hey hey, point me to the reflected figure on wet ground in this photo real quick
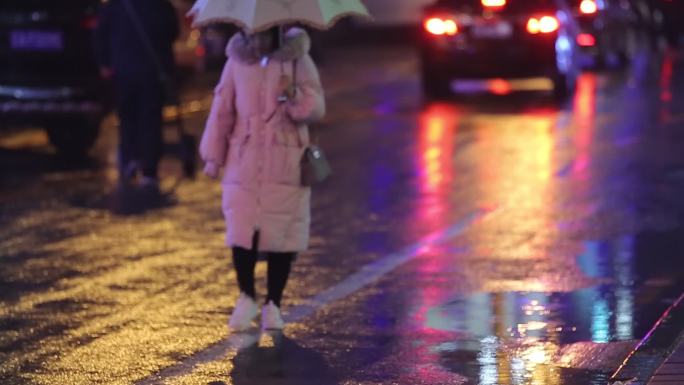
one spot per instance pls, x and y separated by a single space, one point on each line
127 201
277 359
257 132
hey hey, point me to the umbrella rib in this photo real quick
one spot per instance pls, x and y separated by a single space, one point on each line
323 16
327 15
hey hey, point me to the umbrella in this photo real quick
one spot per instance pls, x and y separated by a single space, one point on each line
259 15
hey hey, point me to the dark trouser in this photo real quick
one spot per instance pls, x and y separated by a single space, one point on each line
279 266
140 106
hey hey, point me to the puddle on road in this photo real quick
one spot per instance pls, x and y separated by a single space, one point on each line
533 338
554 338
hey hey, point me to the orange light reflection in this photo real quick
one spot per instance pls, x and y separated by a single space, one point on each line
585 114
435 153
437 130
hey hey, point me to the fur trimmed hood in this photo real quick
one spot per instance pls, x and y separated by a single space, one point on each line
296 45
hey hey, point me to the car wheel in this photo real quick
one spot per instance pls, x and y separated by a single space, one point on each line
562 86
603 57
73 137
435 85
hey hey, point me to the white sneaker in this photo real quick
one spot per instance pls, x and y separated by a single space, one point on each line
149 182
243 314
271 319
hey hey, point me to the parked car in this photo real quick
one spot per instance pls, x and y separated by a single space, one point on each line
48 74
498 39
212 45
673 19
608 33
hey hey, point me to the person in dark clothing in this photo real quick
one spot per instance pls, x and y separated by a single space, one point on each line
134 45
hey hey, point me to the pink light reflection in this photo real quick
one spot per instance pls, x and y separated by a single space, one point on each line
436 143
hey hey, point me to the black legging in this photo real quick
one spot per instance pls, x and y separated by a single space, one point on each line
279 266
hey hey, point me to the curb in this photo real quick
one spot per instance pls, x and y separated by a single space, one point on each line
672 371
654 349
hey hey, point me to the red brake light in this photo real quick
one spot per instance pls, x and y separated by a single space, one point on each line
89 22
200 51
543 24
499 87
586 40
494 3
588 7
437 26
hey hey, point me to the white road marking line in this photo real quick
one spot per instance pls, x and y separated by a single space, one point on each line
355 282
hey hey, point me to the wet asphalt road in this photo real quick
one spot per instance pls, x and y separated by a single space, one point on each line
487 239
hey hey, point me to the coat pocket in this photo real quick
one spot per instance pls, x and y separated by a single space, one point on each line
284 160
237 167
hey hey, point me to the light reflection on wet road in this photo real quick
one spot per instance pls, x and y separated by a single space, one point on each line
575 255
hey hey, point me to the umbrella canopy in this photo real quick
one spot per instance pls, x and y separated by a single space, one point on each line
259 15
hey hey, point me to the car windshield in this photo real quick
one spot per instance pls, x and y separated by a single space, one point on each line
45 4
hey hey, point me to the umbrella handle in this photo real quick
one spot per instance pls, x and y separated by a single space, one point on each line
281 36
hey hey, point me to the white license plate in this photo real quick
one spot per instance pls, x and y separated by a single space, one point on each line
27 40
498 30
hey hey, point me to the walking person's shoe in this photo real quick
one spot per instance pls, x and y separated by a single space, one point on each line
150 183
128 174
271 319
243 314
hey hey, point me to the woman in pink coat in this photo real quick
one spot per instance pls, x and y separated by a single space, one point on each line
257 132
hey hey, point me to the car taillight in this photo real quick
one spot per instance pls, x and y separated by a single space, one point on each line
588 7
89 22
543 24
493 3
586 40
437 26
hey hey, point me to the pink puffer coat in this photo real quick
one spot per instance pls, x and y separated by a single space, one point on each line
260 143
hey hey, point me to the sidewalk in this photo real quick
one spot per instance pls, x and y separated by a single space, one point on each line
672 371
659 358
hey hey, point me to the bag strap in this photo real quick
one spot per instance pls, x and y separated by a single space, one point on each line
313 140
145 38
314 129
